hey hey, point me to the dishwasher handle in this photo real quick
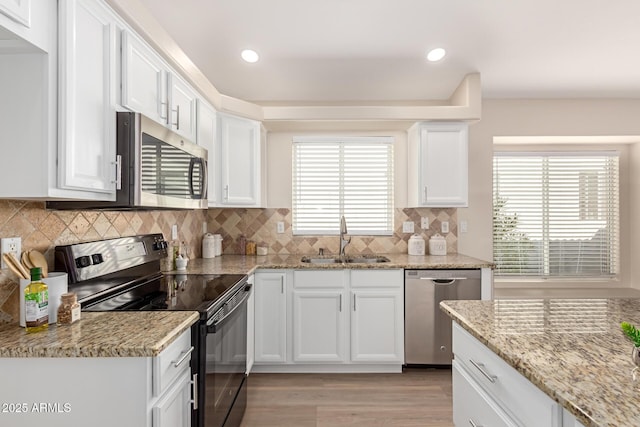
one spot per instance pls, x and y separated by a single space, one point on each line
442 281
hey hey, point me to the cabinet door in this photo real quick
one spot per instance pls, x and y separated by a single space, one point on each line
207 125
182 110
270 317
444 165
251 306
87 79
377 325
318 326
143 79
173 409
240 161
472 406
18 10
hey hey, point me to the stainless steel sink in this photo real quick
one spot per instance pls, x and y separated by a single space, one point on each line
366 259
335 259
319 259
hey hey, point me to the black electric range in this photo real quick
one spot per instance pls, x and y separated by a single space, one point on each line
124 275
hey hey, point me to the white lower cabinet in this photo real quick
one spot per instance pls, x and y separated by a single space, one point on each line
251 331
472 406
487 391
270 317
318 326
100 391
337 320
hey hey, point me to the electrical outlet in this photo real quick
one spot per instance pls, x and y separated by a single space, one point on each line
424 223
204 227
174 232
11 245
280 227
463 226
407 227
445 226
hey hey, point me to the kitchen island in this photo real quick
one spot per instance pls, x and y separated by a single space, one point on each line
571 349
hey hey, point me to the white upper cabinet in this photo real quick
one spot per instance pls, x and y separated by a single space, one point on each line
144 82
182 101
17 10
438 165
87 91
150 87
240 161
207 122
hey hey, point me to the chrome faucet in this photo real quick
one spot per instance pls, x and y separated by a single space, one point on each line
343 230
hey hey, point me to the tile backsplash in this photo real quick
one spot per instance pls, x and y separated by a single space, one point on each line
44 229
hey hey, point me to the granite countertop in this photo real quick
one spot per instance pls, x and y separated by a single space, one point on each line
240 264
106 334
572 349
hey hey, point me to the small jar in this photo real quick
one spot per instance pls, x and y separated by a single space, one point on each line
69 310
251 247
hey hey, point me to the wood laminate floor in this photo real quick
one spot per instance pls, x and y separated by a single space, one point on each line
417 397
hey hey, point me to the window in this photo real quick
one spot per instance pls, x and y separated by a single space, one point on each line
343 176
555 214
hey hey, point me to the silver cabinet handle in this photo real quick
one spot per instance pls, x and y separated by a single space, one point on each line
355 297
226 192
177 123
194 391
282 285
183 358
424 194
473 424
340 302
164 106
118 165
480 367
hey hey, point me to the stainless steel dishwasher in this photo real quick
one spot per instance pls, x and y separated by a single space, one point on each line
427 330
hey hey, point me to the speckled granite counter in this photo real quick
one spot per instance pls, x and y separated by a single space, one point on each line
238 264
572 349
110 334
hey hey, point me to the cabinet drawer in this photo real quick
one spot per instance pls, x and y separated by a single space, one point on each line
171 362
318 279
519 397
369 278
472 406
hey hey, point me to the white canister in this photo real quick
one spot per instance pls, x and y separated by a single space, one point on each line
218 244
416 245
437 245
58 284
208 246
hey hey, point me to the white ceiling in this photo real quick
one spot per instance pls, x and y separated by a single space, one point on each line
374 50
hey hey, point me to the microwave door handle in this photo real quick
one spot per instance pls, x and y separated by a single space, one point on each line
203 177
191 170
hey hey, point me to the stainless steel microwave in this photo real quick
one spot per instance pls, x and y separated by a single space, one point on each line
156 168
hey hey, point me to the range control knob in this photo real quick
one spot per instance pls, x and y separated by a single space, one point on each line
97 259
83 261
159 245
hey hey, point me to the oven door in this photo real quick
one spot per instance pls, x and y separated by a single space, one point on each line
225 363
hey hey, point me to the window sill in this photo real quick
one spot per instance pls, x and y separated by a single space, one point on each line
564 292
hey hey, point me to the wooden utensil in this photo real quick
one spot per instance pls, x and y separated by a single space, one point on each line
15 266
38 260
26 262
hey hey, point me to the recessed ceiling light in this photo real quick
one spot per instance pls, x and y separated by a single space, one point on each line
250 55
436 54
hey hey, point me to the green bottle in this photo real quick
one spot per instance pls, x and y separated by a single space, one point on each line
36 303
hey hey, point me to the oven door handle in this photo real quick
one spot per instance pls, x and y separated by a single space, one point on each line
213 325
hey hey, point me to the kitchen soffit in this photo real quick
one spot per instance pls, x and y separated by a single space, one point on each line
374 50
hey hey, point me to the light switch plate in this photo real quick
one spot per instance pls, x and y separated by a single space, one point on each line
463 226
445 226
174 232
11 245
407 227
280 227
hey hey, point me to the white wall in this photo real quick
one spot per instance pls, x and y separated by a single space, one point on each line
551 118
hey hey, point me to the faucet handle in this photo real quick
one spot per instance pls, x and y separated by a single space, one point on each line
321 251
